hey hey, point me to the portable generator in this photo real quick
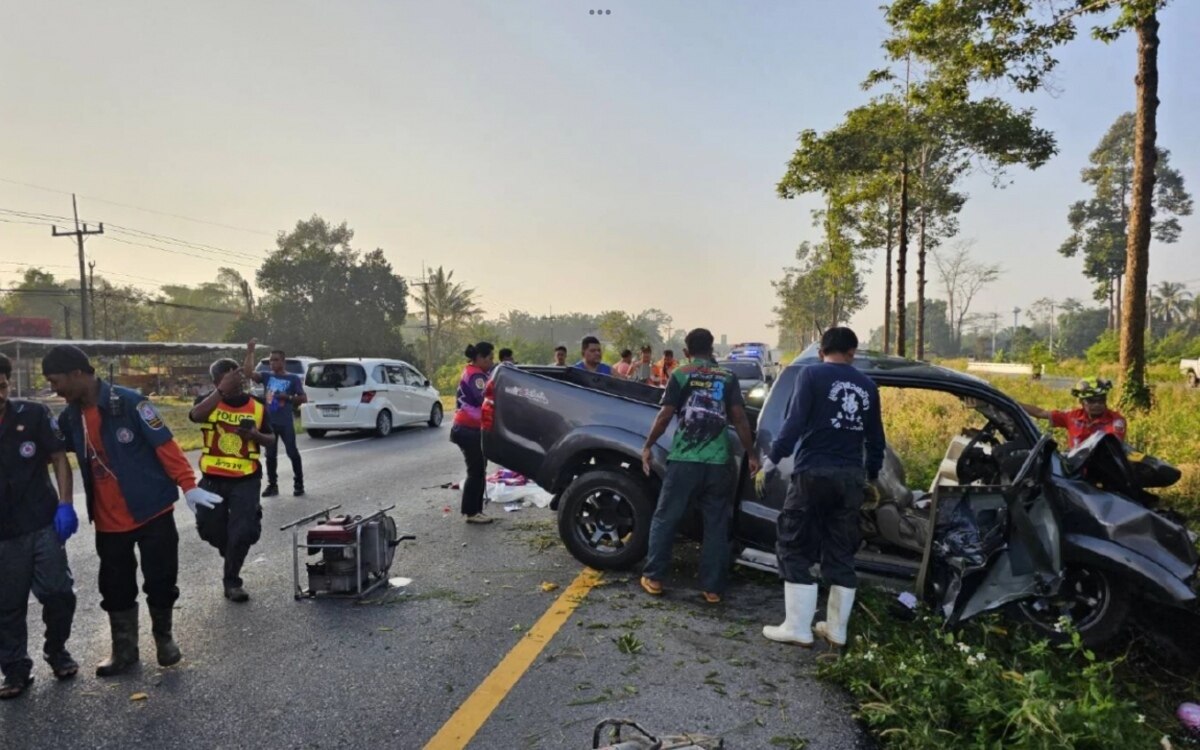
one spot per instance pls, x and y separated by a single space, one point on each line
643 740
355 552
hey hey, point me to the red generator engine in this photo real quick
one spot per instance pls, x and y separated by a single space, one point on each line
356 552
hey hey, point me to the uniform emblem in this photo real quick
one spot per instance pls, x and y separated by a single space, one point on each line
230 443
480 383
150 415
28 449
124 435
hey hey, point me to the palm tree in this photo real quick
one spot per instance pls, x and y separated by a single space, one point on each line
1170 302
450 305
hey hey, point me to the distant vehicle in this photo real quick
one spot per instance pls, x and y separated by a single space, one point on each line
294 365
752 379
1190 368
367 394
760 351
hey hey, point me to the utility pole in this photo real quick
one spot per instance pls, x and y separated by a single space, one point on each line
67 319
995 317
1052 321
1016 312
424 284
92 294
552 341
79 234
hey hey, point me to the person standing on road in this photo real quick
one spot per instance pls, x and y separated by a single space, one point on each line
1092 416
834 423
707 398
467 432
282 392
560 356
592 355
132 471
35 523
234 425
661 372
643 369
624 368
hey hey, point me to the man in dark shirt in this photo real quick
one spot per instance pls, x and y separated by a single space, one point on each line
35 523
707 399
234 424
834 415
592 353
283 391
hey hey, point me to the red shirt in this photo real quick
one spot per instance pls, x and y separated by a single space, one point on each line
1080 426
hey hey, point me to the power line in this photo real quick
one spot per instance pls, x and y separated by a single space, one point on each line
177 251
142 208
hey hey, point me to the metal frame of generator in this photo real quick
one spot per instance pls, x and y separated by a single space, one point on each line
356 552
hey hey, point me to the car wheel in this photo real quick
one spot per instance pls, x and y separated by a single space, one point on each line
383 423
435 416
604 519
315 434
1094 600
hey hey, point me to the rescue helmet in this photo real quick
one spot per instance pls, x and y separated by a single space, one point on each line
1092 388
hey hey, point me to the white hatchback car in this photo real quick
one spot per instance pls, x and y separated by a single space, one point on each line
367 394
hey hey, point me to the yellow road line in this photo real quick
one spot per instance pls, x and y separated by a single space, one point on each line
460 728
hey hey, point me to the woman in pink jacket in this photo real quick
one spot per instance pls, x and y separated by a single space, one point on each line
467 430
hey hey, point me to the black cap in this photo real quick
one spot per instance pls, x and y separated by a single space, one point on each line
66 358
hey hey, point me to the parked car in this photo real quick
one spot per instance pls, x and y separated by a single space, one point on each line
294 365
1190 368
367 394
1006 522
759 351
754 382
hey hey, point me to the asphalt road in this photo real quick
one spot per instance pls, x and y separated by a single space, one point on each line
281 673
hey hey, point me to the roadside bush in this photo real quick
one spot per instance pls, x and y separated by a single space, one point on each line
986 686
1106 350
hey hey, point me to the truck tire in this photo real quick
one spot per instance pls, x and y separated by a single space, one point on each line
604 519
1096 600
315 434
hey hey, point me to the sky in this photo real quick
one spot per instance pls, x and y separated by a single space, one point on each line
557 160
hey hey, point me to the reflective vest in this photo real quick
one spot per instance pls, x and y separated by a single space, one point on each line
226 453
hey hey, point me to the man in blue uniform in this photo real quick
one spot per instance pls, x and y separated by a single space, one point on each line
35 523
834 424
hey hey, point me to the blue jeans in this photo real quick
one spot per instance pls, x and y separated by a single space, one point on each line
820 523
711 487
33 562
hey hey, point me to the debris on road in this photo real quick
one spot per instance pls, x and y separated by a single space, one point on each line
139 697
548 586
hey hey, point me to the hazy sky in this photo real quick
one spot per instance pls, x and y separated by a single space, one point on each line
552 158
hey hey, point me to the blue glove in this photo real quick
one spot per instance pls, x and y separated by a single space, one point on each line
66 522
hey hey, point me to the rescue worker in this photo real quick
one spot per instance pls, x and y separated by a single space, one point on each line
1092 416
707 399
282 392
35 523
467 432
834 424
661 373
234 425
132 472
592 354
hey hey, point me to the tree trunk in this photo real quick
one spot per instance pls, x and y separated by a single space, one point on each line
920 333
887 284
1117 306
1137 252
902 261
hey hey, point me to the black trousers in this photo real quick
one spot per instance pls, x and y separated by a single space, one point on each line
286 432
234 525
820 523
468 441
157 542
34 562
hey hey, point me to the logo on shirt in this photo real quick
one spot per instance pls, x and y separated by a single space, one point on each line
480 383
150 415
230 443
853 401
28 449
124 435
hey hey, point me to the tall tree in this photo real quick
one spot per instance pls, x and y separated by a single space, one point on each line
962 279
1100 224
819 292
451 306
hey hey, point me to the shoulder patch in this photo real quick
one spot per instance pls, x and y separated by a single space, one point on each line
28 449
150 415
480 383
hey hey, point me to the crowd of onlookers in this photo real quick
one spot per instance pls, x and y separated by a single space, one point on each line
643 370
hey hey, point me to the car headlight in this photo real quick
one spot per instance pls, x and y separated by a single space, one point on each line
758 391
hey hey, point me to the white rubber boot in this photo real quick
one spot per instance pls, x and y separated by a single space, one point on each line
799 603
837 616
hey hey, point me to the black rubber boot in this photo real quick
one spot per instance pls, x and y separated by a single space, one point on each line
298 488
168 651
124 626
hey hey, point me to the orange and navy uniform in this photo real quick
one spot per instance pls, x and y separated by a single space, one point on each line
1080 426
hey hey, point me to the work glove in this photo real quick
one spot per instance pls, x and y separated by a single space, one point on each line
203 498
766 473
66 522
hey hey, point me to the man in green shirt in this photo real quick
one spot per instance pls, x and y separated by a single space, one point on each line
700 465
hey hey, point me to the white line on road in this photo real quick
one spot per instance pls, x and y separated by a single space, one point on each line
335 445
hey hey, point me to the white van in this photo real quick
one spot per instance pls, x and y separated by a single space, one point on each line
367 394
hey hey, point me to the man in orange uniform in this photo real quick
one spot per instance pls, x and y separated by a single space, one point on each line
663 369
132 472
234 424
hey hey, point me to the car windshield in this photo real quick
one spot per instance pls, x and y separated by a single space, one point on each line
744 370
335 375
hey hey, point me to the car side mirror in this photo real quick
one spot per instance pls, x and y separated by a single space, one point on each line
426 383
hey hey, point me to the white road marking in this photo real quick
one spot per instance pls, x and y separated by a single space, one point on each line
335 445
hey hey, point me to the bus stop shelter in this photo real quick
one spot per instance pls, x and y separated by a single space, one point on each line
27 353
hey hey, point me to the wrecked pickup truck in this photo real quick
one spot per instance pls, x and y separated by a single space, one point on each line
1006 521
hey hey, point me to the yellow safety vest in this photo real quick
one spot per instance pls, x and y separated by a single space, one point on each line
225 452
